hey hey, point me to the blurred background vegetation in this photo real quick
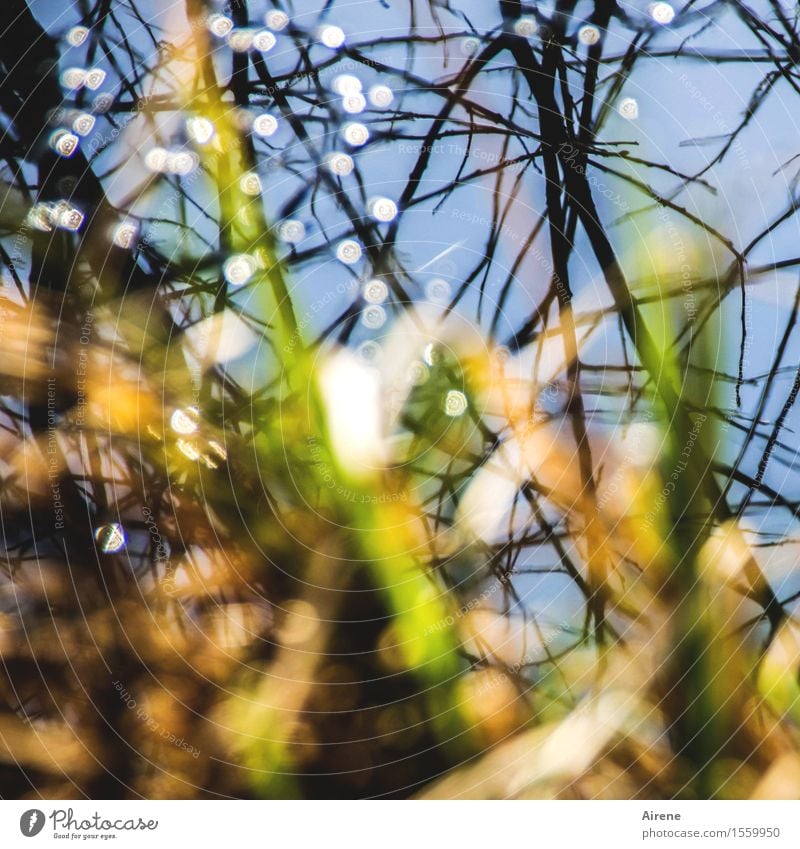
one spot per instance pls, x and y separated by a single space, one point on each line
397 399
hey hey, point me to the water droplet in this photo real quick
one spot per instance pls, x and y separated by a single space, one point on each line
382 209
264 41
455 403
182 162
94 78
67 217
84 124
200 130
588 35
375 291
432 354
188 449
238 269
218 449
417 373
265 125
240 40
242 119
346 84
185 421
210 462
102 103
77 35
354 103
250 183
219 25
629 108
355 134
501 354
276 20
292 231
470 45
110 538
64 143
40 217
370 351
348 251
156 159
339 163
125 235
373 317
438 291
380 96
58 116
662 13
526 26
332 36
73 78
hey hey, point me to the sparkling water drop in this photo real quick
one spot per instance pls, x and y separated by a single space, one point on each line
501 354
629 108
188 449
73 78
265 125
110 538
64 143
219 25
455 403
94 78
243 119
102 103
57 116
373 317
354 103
332 36
432 354
438 291
346 84
339 163
380 96
182 162
156 159
588 35
240 40
276 20
250 183
470 45
662 13
67 217
526 26
348 251
77 35
238 269
417 373
218 449
125 234
40 217
355 134
382 209
370 351
292 231
264 41
185 421
200 130
375 291
84 123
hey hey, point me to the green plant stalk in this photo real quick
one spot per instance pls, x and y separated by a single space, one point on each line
429 646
